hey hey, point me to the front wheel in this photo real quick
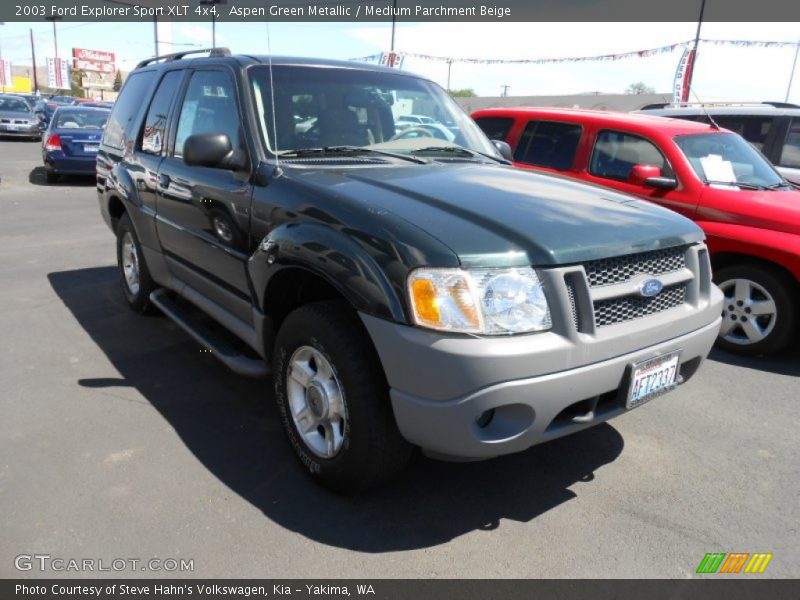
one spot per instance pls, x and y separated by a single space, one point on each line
760 312
333 399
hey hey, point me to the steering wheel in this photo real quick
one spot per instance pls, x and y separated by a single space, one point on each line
403 134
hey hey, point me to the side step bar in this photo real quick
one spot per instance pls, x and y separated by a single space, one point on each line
234 360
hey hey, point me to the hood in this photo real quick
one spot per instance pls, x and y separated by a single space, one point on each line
777 210
493 216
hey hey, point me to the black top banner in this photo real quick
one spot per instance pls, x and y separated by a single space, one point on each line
400 10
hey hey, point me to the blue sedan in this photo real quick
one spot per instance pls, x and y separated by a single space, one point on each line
71 141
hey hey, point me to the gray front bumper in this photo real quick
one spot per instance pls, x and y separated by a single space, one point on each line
537 384
27 132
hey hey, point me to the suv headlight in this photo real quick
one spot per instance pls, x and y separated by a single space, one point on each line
483 301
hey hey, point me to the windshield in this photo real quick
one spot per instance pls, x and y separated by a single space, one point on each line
84 119
13 105
727 159
327 107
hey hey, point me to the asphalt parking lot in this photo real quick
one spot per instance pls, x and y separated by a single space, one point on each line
121 439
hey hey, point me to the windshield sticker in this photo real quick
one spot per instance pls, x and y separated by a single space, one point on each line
717 169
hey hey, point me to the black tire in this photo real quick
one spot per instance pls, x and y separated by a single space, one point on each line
372 449
50 177
781 326
137 299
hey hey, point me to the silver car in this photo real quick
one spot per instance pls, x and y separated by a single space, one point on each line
17 118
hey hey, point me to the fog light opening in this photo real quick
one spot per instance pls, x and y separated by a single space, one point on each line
485 418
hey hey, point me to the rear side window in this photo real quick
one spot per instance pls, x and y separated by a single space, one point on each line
548 144
615 153
155 123
130 101
790 155
495 128
754 129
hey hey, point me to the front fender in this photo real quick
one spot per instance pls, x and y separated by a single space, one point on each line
338 259
774 246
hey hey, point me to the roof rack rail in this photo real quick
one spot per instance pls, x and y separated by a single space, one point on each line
717 104
179 55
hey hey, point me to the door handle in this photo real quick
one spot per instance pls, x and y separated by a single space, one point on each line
163 181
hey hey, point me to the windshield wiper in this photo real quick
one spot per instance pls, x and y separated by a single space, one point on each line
742 184
780 184
462 151
300 152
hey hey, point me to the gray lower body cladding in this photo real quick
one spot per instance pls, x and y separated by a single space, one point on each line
530 388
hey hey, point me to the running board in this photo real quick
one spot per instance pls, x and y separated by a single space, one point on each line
233 359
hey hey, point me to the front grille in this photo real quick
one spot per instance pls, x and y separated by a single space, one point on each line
627 308
572 301
618 269
15 121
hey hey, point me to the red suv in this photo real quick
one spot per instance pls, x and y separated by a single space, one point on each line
749 212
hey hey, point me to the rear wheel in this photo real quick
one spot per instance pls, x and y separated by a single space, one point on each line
333 399
134 276
50 176
759 315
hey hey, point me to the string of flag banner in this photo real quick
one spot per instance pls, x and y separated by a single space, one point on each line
395 59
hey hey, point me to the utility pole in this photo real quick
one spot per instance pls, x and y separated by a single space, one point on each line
33 60
505 90
394 20
155 33
55 34
690 70
449 64
212 4
791 75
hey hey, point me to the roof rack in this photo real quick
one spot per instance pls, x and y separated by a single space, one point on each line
718 104
180 55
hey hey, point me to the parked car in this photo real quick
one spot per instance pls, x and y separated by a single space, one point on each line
750 213
71 141
96 104
772 127
17 118
61 99
405 292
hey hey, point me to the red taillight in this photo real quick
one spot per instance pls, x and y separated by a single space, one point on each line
53 142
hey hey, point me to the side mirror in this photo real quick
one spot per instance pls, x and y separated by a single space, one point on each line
212 150
641 173
661 183
650 176
504 149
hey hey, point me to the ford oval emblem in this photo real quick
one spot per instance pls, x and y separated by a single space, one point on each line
650 288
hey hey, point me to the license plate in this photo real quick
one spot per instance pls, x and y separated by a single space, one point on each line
91 147
653 377
12 127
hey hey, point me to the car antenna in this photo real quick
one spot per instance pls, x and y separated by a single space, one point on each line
711 121
277 172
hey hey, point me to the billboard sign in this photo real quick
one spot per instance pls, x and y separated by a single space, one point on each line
94 66
94 55
58 74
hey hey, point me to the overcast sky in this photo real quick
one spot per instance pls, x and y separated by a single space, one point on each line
721 73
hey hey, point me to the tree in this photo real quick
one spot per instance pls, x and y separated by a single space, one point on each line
118 81
463 93
77 83
639 88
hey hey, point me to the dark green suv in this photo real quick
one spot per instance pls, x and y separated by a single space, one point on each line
403 285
